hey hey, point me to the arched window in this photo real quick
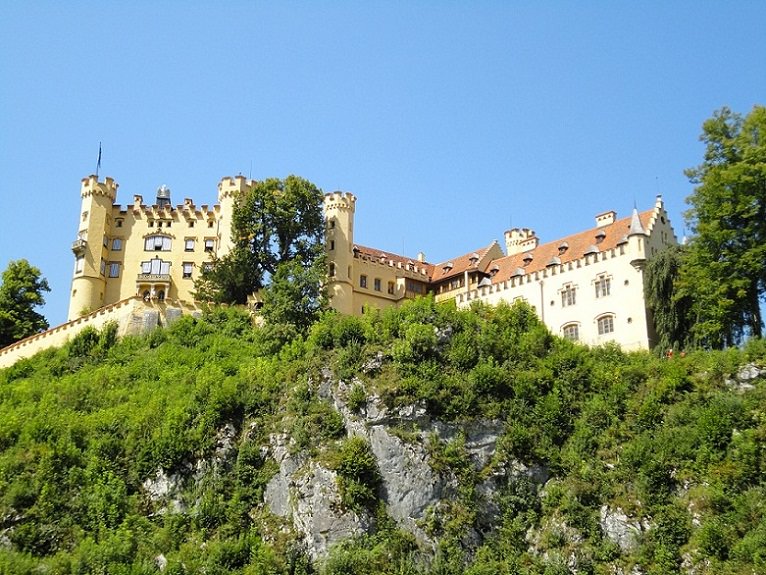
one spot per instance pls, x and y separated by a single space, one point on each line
605 324
571 331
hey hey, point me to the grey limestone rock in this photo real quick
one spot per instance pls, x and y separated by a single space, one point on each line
744 379
164 487
318 515
409 484
619 528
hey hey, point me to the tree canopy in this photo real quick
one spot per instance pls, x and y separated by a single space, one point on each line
20 293
670 309
278 231
723 272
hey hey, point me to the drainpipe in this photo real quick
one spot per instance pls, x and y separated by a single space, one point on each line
542 302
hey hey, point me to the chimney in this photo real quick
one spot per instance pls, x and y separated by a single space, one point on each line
421 257
605 219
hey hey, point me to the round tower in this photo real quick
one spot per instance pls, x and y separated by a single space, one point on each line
89 279
339 243
229 191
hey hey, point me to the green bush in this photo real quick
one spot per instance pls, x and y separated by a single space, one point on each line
358 475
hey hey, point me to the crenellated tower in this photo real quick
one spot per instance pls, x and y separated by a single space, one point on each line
339 243
90 248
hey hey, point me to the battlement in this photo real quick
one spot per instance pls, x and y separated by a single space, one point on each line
233 187
340 201
519 240
91 186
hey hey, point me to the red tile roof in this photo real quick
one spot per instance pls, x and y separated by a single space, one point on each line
577 245
386 257
457 266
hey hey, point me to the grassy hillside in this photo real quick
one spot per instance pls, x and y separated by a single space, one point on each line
89 432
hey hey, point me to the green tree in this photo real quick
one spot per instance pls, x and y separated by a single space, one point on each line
724 272
670 309
276 221
295 295
20 293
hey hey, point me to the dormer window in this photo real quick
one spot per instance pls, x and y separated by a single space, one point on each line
554 261
591 250
447 267
528 257
600 235
473 258
494 269
563 247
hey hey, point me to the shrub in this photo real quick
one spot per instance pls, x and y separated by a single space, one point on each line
358 475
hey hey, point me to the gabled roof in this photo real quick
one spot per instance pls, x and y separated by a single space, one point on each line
482 258
576 246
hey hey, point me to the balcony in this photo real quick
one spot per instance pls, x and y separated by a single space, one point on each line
79 246
154 278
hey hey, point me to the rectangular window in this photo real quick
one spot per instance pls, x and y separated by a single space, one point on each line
391 288
605 325
189 244
188 269
332 245
376 284
78 264
209 245
155 267
414 287
114 270
103 267
210 224
191 223
116 244
568 296
157 244
603 286
331 271
363 281
118 223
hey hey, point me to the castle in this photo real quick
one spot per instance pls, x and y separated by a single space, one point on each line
586 287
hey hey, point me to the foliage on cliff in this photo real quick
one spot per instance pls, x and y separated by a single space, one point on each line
146 455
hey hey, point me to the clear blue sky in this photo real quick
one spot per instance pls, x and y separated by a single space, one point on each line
448 120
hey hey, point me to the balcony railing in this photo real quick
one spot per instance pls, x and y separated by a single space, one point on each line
154 278
78 246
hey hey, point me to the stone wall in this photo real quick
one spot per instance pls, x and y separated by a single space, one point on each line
133 315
